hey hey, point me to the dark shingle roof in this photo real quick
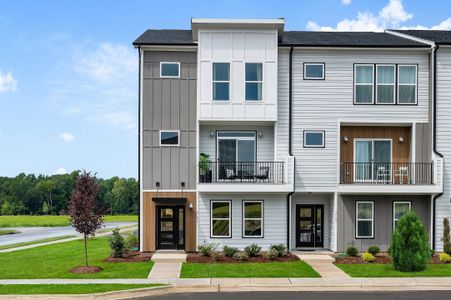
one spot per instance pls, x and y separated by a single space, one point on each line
345 39
165 37
437 36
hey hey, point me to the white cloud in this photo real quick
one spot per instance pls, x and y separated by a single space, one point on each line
7 82
444 25
67 137
345 2
60 171
393 13
100 85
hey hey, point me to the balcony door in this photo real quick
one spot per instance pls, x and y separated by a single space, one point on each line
373 160
236 152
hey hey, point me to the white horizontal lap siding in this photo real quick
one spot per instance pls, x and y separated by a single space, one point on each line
274 228
265 143
443 209
283 104
321 104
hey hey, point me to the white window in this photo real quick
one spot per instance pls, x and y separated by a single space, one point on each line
314 71
363 84
170 69
364 224
254 81
314 139
407 84
169 138
220 215
399 209
252 218
385 84
221 81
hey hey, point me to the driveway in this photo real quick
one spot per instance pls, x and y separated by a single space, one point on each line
29 234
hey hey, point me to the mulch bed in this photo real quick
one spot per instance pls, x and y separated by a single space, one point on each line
199 258
86 270
135 256
381 258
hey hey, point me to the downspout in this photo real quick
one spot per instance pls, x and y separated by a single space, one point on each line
434 133
139 146
290 143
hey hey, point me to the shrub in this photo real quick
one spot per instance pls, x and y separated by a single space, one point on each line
215 255
368 257
252 250
131 241
240 256
444 257
272 254
352 251
116 242
374 250
206 249
446 237
409 247
229 251
279 249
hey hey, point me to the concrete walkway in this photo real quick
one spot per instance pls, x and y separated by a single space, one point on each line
167 265
323 264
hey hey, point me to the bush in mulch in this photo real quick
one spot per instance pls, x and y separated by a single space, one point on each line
86 270
263 258
381 258
135 256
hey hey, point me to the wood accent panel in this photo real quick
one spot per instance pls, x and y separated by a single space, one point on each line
149 219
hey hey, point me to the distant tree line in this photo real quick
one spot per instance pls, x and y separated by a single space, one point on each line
49 195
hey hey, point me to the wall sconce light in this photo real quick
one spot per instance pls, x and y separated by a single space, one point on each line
260 133
190 205
182 184
157 184
401 139
345 139
212 133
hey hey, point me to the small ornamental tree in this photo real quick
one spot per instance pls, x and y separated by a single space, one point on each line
409 246
85 215
446 237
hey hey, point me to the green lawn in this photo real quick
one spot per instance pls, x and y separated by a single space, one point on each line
52 221
8 231
237 270
386 270
35 242
55 261
28 289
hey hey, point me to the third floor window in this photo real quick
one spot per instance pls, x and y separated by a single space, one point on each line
221 81
254 81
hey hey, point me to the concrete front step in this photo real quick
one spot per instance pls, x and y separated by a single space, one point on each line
316 258
169 257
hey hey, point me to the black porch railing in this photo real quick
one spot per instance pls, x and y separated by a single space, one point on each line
242 172
386 173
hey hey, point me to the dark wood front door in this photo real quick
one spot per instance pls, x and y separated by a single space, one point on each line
170 227
309 226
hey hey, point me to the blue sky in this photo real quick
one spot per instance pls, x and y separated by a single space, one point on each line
68 72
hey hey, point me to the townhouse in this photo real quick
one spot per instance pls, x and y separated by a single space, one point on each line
317 140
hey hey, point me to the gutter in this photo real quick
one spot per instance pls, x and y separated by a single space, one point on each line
290 142
139 145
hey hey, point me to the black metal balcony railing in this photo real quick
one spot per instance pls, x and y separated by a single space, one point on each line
386 173
242 172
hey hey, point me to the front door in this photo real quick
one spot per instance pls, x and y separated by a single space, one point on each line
170 227
309 226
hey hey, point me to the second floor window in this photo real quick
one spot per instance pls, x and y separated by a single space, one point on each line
407 84
169 69
385 84
221 81
363 90
254 81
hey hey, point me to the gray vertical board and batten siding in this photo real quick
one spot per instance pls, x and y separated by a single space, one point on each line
169 104
383 219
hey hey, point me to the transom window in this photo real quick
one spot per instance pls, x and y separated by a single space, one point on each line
221 81
252 218
364 219
385 84
254 81
170 69
314 139
169 138
314 71
399 209
220 212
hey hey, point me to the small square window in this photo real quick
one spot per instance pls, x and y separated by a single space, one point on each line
169 138
314 71
170 69
314 139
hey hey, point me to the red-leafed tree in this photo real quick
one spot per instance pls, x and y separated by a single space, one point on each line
85 214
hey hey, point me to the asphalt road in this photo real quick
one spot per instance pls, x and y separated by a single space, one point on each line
435 295
28 234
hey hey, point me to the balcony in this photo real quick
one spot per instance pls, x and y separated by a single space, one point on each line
246 176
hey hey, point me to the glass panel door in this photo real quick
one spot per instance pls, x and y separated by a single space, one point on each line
363 158
227 159
309 228
382 161
170 227
246 158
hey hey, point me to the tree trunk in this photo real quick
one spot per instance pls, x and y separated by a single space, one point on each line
86 250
